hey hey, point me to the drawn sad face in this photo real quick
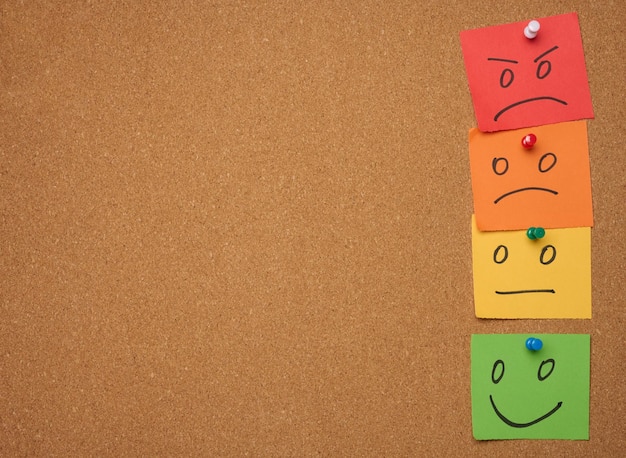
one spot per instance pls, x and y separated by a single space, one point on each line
515 277
516 82
548 185
517 393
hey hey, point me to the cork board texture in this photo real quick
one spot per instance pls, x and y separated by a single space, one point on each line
243 228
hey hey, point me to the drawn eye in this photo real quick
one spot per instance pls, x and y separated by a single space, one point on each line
500 165
497 372
547 363
548 254
546 162
500 254
506 78
543 69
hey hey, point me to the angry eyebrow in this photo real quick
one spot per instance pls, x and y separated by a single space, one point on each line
554 48
503 60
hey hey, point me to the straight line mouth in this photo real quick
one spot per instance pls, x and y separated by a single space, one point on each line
524 291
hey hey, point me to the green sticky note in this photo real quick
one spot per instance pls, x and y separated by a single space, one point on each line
522 394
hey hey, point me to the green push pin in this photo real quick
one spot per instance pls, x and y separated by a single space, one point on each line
535 233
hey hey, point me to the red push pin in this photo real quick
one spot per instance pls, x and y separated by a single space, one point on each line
529 141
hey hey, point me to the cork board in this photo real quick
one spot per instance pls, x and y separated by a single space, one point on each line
239 228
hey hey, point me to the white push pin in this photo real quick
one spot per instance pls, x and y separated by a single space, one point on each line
531 29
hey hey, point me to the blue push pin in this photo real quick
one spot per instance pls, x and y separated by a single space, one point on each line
534 233
534 344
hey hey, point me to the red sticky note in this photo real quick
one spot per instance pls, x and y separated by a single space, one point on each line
546 186
519 82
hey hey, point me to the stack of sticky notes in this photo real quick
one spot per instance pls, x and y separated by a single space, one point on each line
531 228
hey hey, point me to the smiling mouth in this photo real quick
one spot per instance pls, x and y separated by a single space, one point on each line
523 425
521 102
530 188
524 291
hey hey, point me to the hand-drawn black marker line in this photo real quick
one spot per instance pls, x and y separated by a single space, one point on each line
523 425
530 188
524 291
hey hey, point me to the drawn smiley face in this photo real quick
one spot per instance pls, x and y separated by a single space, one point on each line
547 185
517 393
497 373
516 82
515 277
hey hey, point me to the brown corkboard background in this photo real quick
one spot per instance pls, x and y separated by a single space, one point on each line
243 228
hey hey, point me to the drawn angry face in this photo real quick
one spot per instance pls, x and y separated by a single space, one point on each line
507 78
516 82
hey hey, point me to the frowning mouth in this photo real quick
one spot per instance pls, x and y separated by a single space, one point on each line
521 102
531 188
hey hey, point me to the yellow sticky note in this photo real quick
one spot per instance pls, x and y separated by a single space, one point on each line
516 277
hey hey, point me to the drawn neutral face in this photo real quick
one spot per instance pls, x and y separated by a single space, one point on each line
516 82
515 277
517 393
547 185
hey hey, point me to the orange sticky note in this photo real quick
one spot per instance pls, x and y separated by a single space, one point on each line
516 277
548 185
519 82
